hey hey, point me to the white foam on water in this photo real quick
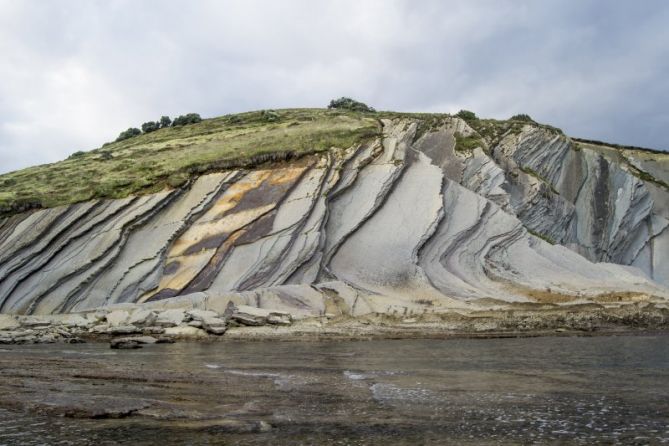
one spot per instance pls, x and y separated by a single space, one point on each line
78 352
389 392
355 376
246 373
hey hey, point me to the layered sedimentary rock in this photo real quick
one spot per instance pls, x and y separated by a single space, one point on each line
402 221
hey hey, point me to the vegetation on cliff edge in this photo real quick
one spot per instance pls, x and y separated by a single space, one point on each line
170 156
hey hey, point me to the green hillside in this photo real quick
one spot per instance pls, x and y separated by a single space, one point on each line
170 156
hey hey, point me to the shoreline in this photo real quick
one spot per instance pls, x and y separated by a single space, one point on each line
135 328
329 336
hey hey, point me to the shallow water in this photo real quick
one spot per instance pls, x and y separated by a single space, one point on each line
551 390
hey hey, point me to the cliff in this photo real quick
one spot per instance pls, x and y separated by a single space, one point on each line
426 214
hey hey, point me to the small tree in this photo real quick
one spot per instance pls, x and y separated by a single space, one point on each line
130 133
467 115
269 115
77 154
150 126
165 121
190 118
522 117
345 103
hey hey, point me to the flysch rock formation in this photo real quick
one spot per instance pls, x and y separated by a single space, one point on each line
402 222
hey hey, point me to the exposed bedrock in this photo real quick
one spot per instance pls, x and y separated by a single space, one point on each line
405 221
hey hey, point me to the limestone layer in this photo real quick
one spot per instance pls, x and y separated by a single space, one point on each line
402 222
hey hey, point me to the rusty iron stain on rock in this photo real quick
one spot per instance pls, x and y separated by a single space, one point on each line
269 191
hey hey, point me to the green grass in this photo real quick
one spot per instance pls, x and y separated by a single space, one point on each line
466 143
169 157
542 237
536 175
172 156
645 176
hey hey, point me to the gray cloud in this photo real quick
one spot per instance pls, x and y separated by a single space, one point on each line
75 73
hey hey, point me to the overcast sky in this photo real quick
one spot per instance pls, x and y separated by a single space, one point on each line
73 74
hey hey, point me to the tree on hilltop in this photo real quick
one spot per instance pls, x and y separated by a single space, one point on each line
345 103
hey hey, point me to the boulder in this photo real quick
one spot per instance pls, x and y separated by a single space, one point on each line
254 316
142 317
116 318
48 338
97 316
249 320
125 343
200 315
25 337
61 332
170 318
99 329
76 321
8 322
7 337
34 321
124 329
185 331
153 330
132 340
214 325
279 319
165 340
247 315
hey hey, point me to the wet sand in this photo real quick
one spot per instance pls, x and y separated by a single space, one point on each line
548 390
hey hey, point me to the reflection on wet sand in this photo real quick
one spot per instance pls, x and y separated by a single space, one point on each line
467 391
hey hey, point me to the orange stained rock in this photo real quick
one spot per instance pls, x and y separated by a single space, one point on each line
242 203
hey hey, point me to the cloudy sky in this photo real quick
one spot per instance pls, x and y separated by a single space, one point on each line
73 74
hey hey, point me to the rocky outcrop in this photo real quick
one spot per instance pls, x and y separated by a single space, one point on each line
402 223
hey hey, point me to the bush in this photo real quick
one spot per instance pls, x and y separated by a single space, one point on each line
77 154
235 119
190 118
150 126
350 104
464 143
467 115
522 117
269 115
165 121
130 133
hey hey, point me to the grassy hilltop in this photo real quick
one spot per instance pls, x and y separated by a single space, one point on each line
170 156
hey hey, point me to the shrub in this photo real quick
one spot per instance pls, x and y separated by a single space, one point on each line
235 119
165 121
467 115
350 104
177 180
130 133
77 154
150 126
522 117
470 142
269 115
190 118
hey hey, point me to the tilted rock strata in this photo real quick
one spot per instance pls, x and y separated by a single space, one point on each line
396 223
